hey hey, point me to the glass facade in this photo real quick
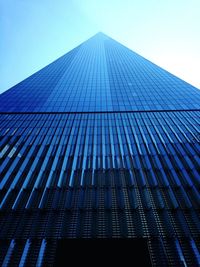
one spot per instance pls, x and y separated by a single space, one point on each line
101 143
100 75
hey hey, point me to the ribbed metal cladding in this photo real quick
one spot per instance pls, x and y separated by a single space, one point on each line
96 175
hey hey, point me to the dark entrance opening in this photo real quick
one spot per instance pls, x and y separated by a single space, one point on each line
135 251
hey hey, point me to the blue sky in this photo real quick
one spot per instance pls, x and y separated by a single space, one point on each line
33 33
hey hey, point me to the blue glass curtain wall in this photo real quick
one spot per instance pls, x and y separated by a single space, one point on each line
100 144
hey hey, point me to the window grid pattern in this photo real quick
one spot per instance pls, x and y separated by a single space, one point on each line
100 75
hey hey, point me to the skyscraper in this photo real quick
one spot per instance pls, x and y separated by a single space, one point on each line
101 143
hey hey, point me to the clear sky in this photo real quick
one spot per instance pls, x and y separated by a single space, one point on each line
33 33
